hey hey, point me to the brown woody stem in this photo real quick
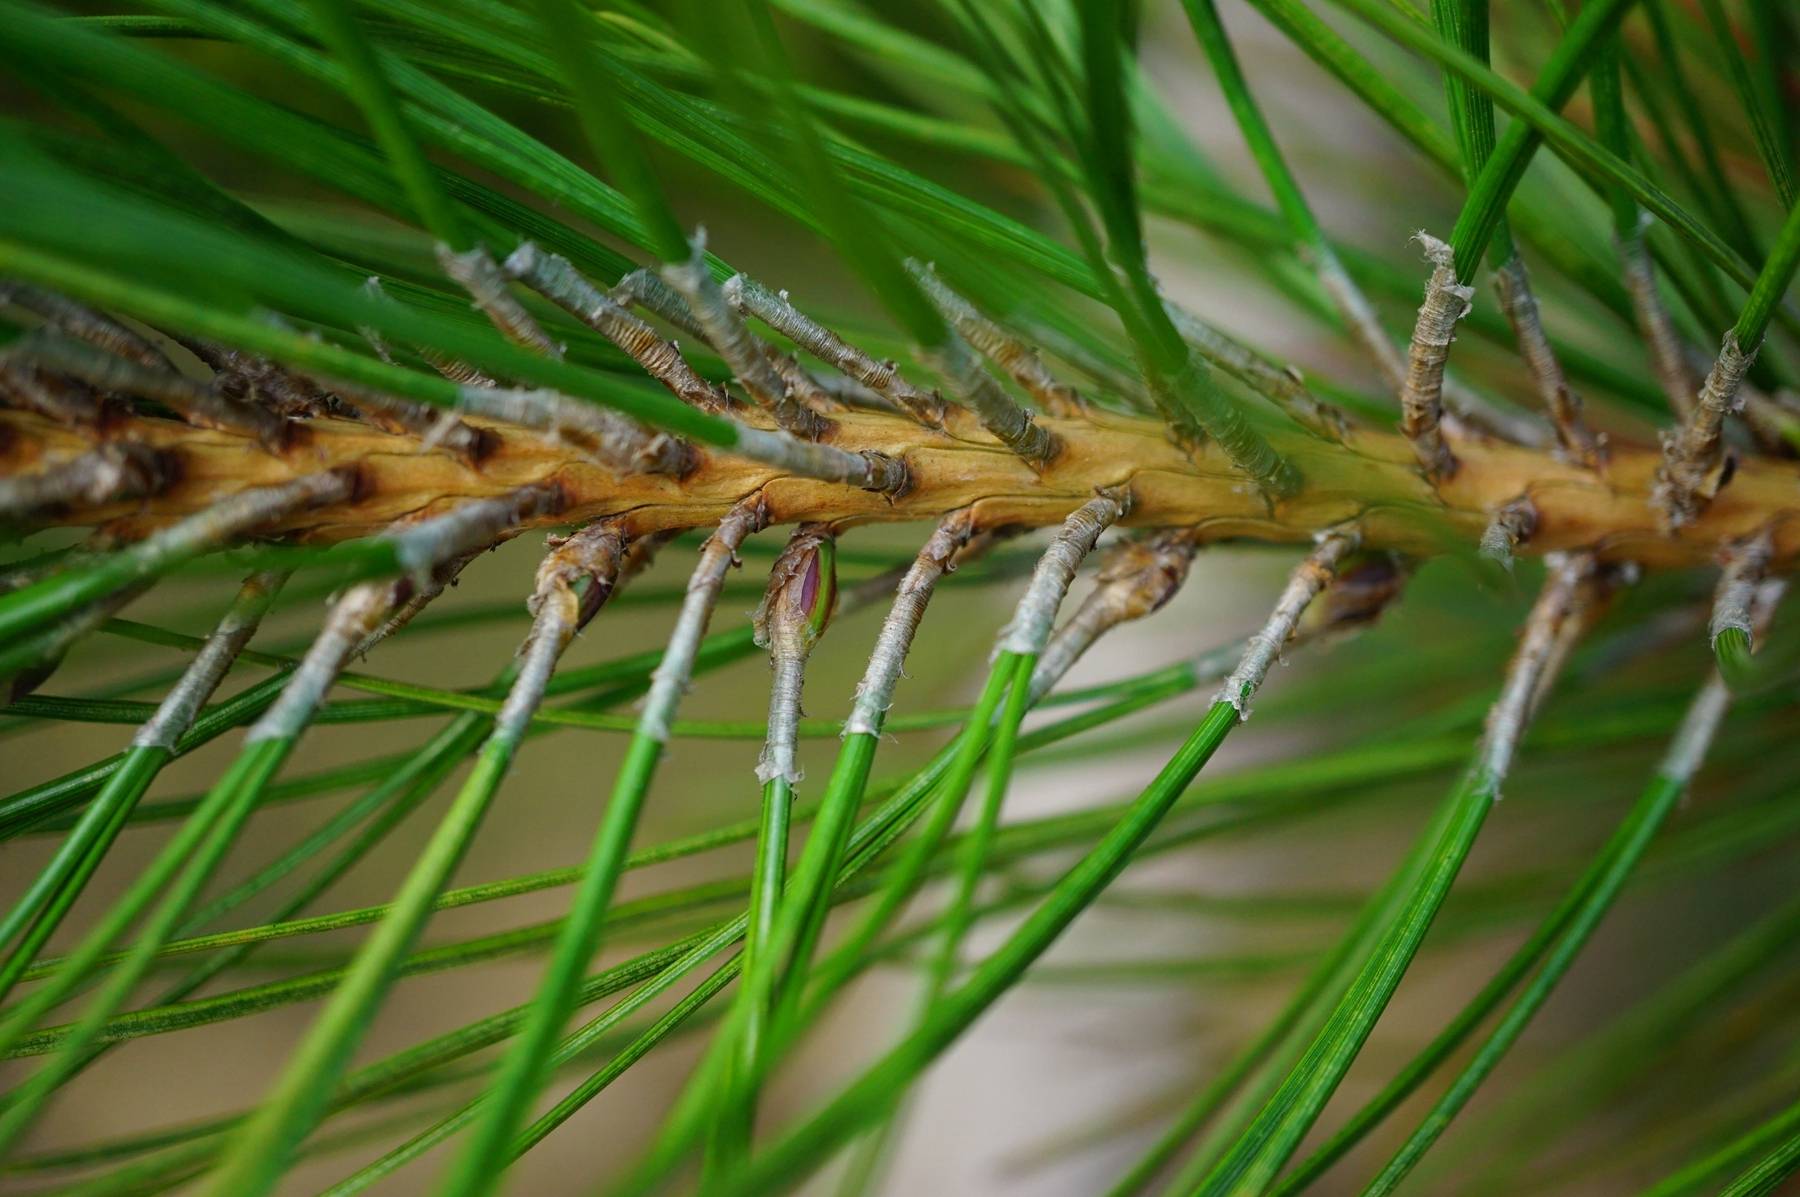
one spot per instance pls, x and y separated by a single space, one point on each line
1372 478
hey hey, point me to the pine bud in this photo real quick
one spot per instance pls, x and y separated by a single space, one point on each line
802 592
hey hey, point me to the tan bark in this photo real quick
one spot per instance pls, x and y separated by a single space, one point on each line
1373 477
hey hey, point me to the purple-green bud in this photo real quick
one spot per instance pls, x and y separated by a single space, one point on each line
802 592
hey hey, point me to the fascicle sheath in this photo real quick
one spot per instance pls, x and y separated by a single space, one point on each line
864 469
727 334
972 386
1135 580
556 278
1528 674
574 580
419 548
618 442
996 344
197 403
1519 303
175 714
1695 464
796 607
875 692
79 320
1687 749
475 270
1668 356
1285 388
1511 527
883 377
1310 577
352 620
1422 396
1032 619
670 679
239 513
1742 569
109 474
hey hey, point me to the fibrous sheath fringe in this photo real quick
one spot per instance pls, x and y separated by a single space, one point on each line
1743 567
1309 578
1519 303
1525 675
875 692
1134 581
1422 396
1029 630
883 377
175 714
556 278
1695 464
671 676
